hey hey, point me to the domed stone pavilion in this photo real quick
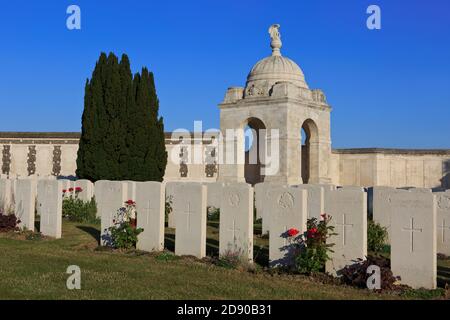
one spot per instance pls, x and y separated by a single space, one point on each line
276 97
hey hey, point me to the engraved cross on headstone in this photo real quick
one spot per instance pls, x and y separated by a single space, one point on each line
443 227
149 208
344 225
233 230
411 233
188 214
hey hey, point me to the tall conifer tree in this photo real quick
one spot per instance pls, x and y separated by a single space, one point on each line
122 135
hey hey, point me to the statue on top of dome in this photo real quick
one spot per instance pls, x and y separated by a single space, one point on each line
274 33
275 39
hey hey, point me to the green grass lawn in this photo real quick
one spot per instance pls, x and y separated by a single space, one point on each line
35 269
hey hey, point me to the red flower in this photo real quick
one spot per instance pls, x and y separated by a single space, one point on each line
292 232
78 189
70 189
130 202
312 233
64 191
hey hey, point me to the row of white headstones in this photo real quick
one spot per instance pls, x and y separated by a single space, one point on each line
418 221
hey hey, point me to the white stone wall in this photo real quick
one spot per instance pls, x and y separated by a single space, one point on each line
410 169
358 167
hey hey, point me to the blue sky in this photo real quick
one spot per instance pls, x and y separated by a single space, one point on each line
388 87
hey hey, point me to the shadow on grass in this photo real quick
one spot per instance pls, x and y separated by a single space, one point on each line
94 232
260 253
257 229
169 242
443 276
213 224
212 245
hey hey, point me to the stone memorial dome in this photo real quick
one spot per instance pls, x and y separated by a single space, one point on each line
275 68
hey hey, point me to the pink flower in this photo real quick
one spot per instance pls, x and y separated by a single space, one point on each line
78 189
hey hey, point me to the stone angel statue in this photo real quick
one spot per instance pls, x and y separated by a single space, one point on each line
275 38
274 33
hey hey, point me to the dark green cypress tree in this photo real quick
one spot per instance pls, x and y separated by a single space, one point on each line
148 156
122 135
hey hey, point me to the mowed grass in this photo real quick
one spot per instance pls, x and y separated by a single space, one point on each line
36 269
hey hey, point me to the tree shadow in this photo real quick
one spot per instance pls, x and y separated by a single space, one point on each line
445 180
257 229
212 247
94 232
213 224
169 242
289 252
261 255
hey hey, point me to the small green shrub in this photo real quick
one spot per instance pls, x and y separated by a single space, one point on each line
229 260
166 256
32 235
75 209
124 234
79 211
312 250
376 237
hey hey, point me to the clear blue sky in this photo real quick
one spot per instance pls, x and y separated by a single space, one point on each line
388 88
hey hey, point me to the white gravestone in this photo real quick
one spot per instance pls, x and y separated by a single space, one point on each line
87 188
287 208
316 200
352 188
262 195
131 186
25 199
49 192
5 195
327 187
236 221
413 238
348 211
443 222
214 194
110 197
150 215
189 207
413 189
382 208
